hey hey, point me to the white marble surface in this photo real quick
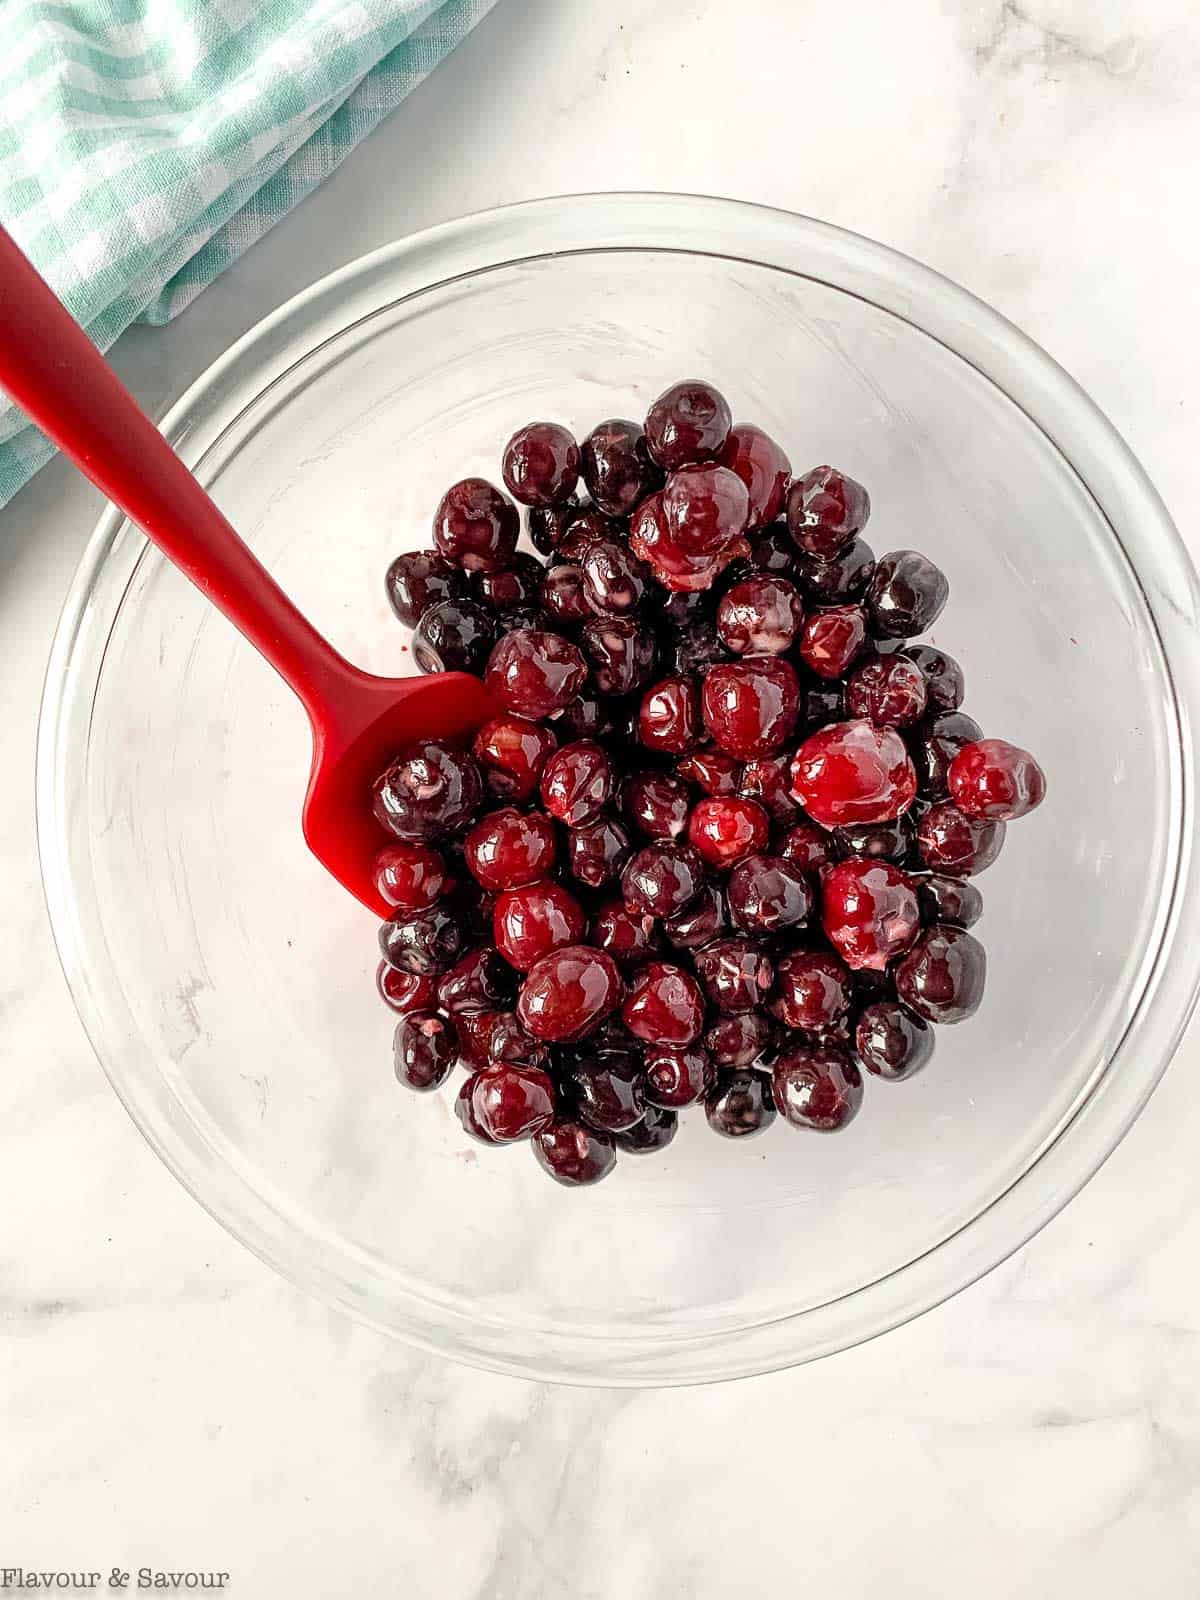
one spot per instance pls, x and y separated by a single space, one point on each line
166 1401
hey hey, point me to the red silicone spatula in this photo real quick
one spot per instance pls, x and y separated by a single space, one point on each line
56 375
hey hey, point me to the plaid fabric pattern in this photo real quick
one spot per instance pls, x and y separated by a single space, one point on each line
145 144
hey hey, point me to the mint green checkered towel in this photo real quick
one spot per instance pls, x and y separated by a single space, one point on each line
145 144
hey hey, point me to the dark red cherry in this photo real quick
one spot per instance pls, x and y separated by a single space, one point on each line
890 1042
812 990
722 831
511 753
623 934
677 1076
405 991
419 579
739 1105
541 464
597 850
760 616
454 636
411 875
564 595
825 511
689 422
480 981
705 508
715 771
942 976
745 1040
476 527
574 1154
769 893
577 782
808 847
426 942
701 920
895 840
511 1103
424 1049
511 1045
833 639
653 1133
606 1091
889 691
943 676
510 589
906 595
736 973
657 804
817 1087
616 469
614 580
669 718
945 899
620 653
662 879
772 550
845 577
652 541
955 844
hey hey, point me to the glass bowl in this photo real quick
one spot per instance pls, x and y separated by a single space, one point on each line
227 983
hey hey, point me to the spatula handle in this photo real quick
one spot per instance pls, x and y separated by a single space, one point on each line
57 376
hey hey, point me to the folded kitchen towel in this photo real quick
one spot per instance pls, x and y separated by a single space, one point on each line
145 144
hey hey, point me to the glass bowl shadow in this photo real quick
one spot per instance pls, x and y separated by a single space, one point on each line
227 983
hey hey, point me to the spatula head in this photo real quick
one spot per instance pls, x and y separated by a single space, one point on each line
375 719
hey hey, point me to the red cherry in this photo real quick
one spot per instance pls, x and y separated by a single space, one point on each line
411 875
705 508
511 848
568 993
852 772
870 912
405 991
664 1006
832 639
535 674
532 921
510 1103
669 718
750 707
722 831
511 752
995 781
763 468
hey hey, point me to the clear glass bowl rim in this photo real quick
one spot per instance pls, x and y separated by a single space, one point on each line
1048 396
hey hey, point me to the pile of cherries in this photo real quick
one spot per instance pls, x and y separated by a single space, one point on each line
715 846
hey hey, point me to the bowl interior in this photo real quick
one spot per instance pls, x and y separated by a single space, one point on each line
236 979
